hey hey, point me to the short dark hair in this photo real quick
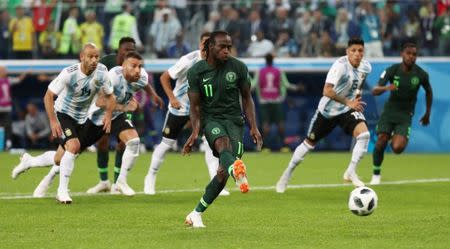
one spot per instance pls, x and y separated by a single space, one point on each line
212 40
133 54
355 41
205 34
269 59
125 40
408 44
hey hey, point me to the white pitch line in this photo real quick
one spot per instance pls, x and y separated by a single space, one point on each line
10 196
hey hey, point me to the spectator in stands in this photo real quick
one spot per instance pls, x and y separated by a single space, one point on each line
370 30
260 47
411 28
345 29
285 46
91 30
320 24
213 19
180 7
18 133
442 6
282 22
256 24
272 5
5 103
145 18
49 41
124 25
41 12
327 46
5 35
271 85
112 9
443 27
178 47
23 35
37 127
428 38
163 32
70 36
302 26
312 47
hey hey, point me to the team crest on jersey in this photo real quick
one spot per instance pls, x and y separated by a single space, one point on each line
363 75
312 136
167 130
231 77
68 132
415 81
215 131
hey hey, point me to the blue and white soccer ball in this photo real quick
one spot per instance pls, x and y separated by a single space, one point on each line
363 201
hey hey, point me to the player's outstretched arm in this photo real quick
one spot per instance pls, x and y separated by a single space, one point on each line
152 94
425 120
378 90
194 98
356 104
49 102
110 105
167 87
249 110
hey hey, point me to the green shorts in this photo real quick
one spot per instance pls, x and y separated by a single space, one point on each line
271 113
394 124
214 129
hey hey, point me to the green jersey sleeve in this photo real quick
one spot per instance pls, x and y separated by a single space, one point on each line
386 76
244 79
193 81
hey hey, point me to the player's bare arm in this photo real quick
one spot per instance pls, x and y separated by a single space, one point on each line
249 110
165 83
110 105
425 120
152 94
49 102
378 90
194 98
356 104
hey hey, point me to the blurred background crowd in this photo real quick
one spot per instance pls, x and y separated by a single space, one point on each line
44 29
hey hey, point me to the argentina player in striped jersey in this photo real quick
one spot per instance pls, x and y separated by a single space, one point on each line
177 116
76 87
341 105
127 79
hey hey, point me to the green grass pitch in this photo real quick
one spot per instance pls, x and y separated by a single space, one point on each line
312 213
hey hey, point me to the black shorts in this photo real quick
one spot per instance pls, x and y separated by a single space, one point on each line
173 125
91 133
321 126
87 133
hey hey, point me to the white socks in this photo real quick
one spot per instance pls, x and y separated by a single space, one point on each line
66 168
299 155
129 157
159 154
362 142
44 160
211 161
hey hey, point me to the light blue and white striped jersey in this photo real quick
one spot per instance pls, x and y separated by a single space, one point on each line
76 90
347 82
123 91
179 72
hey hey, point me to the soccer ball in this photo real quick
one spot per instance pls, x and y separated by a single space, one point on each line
363 201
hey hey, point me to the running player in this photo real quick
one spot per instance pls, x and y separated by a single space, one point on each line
215 87
76 87
177 116
341 105
395 121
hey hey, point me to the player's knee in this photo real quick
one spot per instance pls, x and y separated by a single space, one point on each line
221 144
120 146
168 141
398 148
222 175
364 138
133 146
73 146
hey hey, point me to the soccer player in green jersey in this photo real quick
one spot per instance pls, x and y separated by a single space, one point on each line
215 87
395 122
